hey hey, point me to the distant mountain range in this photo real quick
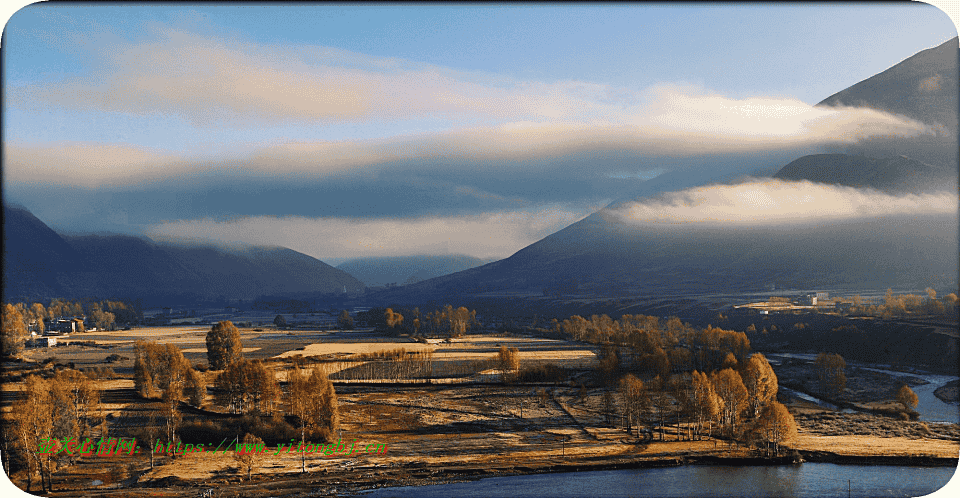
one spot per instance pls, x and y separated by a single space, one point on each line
403 270
40 264
601 255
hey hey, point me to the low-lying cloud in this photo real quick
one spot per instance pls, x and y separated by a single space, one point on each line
777 203
483 235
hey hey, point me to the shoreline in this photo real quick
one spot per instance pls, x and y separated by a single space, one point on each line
360 479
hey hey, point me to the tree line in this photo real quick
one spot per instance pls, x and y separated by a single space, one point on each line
20 319
443 322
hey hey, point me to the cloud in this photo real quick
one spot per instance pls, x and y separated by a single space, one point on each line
675 126
494 234
219 81
90 165
776 203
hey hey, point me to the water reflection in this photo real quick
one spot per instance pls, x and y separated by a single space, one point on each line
797 481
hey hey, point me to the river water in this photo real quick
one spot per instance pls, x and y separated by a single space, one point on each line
801 481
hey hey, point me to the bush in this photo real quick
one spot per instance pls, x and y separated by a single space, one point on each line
99 373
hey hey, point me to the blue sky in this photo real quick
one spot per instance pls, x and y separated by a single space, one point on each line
382 130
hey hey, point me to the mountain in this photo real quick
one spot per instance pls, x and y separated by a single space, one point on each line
922 87
40 264
895 175
407 269
605 254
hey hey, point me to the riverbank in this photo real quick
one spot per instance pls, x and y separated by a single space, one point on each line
338 479
949 392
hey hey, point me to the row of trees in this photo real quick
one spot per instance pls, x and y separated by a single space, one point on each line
447 321
659 348
900 305
19 319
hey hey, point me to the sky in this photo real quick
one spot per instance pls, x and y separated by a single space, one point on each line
346 131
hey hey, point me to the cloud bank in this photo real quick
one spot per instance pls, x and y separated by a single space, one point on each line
333 240
778 204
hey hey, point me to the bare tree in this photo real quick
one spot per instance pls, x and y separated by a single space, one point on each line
634 400
249 453
830 370
314 402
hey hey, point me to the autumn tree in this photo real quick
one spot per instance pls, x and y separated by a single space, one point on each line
760 381
196 388
75 398
249 453
830 370
14 331
102 320
707 405
223 345
509 362
39 314
729 387
394 320
32 426
907 398
345 321
247 386
775 425
313 401
633 400
162 367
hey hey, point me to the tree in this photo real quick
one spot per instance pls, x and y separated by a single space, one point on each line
760 381
247 386
633 400
509 363
14 331
775 425
313 401
143 378
661 402
907 398
729 387
39 314
345 321
707 404
196 388
32 422
393 319
75 397
250 454
831 373
223 345
280 322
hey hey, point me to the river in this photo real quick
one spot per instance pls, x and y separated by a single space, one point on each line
800 480
930 407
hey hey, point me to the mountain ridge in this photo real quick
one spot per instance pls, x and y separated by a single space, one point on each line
41 264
